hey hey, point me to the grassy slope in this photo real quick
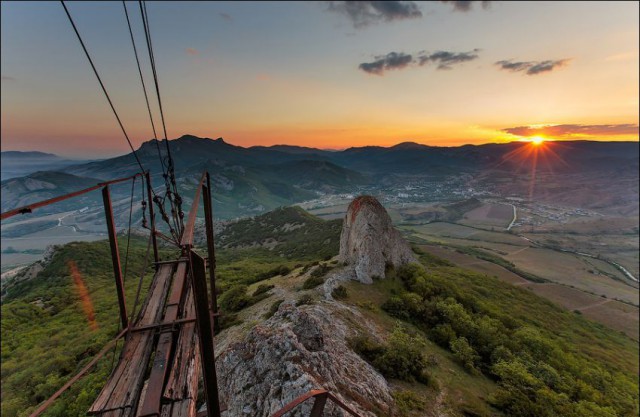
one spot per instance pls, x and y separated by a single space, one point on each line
587 345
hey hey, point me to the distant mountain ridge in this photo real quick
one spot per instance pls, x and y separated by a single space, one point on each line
18 163
252 180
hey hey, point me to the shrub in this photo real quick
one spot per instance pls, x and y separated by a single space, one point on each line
366 347
465 354
408 401
262 289
305 299
402 359
228 320
312 282
273 309
235 298
340 292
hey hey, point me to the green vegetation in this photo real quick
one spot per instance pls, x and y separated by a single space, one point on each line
340 292
547 361
408 401
401 358
46 336
291 232
273 309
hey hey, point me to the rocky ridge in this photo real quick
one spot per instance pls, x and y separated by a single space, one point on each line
263 365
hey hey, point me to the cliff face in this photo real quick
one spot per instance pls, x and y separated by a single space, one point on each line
369 241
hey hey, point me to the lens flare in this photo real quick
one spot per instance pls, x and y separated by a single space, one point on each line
85 299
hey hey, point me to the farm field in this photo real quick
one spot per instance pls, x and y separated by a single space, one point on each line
572 270
611 313
489 215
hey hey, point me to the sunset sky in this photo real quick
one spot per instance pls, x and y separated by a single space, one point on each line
321 74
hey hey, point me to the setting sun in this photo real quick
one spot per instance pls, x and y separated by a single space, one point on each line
537 140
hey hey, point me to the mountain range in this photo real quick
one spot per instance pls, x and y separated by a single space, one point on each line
252 180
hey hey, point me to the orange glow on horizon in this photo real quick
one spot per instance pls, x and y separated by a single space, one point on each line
83 292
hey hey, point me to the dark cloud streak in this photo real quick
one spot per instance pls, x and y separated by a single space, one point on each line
532 67
445 59
399 60
393 60
364 13
225 16
465 6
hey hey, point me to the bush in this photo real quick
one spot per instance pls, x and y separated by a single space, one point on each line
340 292
401 359
465 354
305 299
366 347
312 282
228 320
235 299
408 401
262 289
273 309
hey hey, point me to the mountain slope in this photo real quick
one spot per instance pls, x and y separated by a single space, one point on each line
42 185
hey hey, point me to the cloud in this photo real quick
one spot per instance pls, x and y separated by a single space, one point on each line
393 60
532 67
573 131
192 51
465 6
364 13
445 59
8 78
226 17
400 60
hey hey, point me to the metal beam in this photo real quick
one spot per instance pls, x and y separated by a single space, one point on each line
152 218
31 207
115 255
198 278
211 252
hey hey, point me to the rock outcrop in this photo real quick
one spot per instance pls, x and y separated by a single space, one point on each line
299 349
369 242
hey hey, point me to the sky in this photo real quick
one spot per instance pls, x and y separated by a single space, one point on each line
322 74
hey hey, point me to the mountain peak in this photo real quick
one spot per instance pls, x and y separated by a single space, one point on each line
409 145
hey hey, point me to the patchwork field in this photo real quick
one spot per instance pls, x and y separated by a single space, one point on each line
489 215
611 313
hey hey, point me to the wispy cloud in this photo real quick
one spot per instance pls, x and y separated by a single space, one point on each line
399 60
446 60
192 51
364 13
532 67
573 131
8 78
226 16
465 6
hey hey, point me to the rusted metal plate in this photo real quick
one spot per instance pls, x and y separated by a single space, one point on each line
122 390
161 365
183 378
198 278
